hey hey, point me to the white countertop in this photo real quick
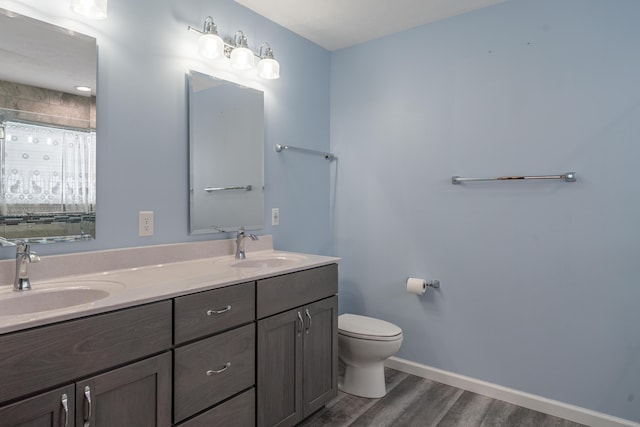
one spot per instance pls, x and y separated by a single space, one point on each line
139 285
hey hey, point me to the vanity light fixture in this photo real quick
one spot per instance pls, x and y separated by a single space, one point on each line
91 9
241 57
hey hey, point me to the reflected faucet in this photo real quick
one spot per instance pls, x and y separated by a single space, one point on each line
24 256
240 242
4 242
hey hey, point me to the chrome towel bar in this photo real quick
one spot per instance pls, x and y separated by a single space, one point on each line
246 188
567 177
328 156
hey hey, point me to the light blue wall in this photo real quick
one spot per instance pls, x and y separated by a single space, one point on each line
539 279
144 52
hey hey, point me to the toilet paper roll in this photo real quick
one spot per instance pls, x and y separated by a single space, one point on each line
416 286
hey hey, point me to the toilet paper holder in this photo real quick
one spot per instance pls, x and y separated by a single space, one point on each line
433 283
419 286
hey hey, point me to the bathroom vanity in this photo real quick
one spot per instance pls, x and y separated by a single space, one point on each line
254 344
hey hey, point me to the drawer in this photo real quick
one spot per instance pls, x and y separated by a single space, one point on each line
208 312
208 371
281 293
48 356
237 412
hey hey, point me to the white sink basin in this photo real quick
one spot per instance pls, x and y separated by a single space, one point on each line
54 296
268 262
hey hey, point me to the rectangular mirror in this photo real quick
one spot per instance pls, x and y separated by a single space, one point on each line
47 131
226 155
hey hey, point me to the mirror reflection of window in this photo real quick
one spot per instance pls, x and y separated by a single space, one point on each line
47 169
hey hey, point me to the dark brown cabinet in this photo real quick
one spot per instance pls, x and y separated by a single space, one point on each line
135 395
297 362
213 369
52 409
196 360
297 349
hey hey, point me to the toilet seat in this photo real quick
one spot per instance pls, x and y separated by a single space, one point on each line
367 328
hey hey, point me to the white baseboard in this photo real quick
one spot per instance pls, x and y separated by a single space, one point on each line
527 400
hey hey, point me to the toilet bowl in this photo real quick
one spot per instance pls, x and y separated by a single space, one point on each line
364 343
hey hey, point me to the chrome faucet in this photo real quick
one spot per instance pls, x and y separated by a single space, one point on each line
240 242
23 257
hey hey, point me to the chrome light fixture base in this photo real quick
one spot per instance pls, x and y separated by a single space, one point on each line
236 49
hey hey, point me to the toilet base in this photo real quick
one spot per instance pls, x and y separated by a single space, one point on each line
364 381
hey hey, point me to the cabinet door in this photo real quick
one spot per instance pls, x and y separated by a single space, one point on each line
279 382
320 351
135 395
52 409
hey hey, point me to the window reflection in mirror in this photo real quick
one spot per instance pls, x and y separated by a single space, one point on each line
47 131
226 151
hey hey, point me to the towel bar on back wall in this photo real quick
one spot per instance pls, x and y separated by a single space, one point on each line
328 156
245 188
567 177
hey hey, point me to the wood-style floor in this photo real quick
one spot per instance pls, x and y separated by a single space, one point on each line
413 401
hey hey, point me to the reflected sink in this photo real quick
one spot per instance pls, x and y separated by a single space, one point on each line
267 262
53 296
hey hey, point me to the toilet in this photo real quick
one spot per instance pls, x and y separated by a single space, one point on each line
364 343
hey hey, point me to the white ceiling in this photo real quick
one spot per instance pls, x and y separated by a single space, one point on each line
39 54
336 24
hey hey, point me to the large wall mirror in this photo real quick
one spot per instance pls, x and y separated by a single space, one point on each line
47 131
226 152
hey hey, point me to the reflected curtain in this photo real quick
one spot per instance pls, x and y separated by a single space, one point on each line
47 168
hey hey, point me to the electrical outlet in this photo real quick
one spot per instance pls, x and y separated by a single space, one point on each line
275 216
145 223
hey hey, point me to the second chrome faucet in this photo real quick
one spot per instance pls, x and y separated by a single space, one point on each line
240 242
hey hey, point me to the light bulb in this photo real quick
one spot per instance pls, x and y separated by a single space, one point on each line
269 68
242 58
210 46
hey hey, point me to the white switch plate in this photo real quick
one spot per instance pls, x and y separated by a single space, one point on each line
275 216
145 223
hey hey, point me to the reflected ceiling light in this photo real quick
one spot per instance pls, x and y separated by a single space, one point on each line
241 56
92 9
268 68
210 44
83 88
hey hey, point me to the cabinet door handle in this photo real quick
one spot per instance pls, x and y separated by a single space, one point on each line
87 398
301 324
213 312
306 311
219 371
65 408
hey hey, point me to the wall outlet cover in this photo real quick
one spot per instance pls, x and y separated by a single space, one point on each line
145 223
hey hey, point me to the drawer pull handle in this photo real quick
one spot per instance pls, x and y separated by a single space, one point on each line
213 312
301 324
219 371
87 398
65 408
308 317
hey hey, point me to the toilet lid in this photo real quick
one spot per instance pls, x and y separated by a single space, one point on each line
367 328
